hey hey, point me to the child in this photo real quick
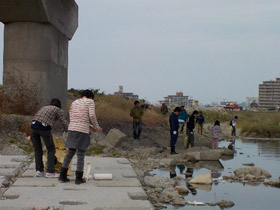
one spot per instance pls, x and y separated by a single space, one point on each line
215 132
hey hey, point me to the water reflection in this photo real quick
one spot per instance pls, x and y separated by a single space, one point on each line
265 155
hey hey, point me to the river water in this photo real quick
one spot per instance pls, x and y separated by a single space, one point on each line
246 196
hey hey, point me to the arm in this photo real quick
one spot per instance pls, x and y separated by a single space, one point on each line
60 117
92 115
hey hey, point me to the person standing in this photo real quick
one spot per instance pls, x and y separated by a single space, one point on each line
41 126
190 129
174 126
233 125
82 113
215 133
200 121
182 118
137 114
164 109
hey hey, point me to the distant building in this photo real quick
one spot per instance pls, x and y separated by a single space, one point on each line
126 95
224 103
269 95
177 100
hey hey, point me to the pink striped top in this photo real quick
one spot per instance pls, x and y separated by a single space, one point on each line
82 113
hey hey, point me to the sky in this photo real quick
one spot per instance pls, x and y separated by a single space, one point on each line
210 50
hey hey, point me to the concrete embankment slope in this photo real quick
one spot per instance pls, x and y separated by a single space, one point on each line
124 192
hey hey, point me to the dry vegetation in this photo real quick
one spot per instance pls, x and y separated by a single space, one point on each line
260 124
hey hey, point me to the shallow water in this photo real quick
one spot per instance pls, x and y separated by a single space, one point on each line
254 196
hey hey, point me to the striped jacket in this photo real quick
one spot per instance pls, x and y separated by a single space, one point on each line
82 113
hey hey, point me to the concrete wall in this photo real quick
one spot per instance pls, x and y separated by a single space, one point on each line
35 66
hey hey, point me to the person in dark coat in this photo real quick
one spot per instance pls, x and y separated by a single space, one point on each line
174 126
190 129
164 109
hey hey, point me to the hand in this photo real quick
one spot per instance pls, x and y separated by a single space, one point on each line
64 135
99 130
174 132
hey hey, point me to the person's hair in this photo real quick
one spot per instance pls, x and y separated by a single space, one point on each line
177 109
182 106
136 102
56 102
88 94
195 112
217 123
236 117
200 112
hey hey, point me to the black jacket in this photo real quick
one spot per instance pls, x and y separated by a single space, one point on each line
173 121
191 123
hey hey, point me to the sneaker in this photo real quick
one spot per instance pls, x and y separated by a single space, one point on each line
39 173
52 175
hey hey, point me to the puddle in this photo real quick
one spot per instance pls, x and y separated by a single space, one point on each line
249 196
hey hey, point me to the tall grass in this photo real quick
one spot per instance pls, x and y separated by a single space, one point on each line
260 124
116 108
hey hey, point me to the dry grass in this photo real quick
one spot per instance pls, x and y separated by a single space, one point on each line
116 108
260 124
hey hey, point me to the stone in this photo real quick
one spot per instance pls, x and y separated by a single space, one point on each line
225 204
173 198
193 156
257 172
114 137
228 152
272 183
157 181
210 155
182 190
202 179
249 177
248 164
168 162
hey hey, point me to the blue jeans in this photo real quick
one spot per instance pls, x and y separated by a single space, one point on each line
233 131
135 126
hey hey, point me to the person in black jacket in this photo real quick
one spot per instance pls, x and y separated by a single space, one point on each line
190 129
174 126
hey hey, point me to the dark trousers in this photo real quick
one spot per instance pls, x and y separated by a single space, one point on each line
233 133
173 139
37 144
190 138
80 159
135 126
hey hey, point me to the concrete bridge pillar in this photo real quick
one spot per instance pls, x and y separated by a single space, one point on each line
36 37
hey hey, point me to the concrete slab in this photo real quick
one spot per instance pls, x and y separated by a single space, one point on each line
9 171
103 198
124 192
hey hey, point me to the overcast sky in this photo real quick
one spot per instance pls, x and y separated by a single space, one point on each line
208 49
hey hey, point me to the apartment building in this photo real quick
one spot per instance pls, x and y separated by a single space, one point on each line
126 95
177 100
269 95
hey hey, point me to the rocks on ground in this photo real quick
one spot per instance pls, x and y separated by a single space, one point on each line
159 182
202 179
252 173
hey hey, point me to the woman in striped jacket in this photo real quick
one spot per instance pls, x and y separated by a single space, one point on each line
82 113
